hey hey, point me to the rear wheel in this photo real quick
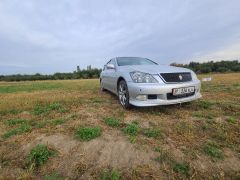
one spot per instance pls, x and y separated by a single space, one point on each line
123 94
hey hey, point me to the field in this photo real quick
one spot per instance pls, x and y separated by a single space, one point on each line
71 130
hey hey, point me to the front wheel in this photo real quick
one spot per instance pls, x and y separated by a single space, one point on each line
101 86
123 94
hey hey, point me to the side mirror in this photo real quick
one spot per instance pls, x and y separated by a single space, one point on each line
110 66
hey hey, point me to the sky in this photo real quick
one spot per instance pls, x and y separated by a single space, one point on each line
47 36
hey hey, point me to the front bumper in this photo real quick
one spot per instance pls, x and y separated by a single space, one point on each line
161 91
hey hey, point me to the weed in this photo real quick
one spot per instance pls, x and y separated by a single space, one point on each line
205 104
58 121
165 156
132 139
14 111
157 149
54 106
88 133
53 176
13 122
98 100
211 121
183 127
206 115
113 122
111 175
131 129
221 132
40 109
156 113
182 168
152 132
19 130
205 126
39 125
39 155
231 120
212 149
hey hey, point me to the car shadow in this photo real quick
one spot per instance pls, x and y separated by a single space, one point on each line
161 109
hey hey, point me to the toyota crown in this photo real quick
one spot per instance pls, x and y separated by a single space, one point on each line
142 82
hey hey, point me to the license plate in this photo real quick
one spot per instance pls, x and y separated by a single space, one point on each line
183 90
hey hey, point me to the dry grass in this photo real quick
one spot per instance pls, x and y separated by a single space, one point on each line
173 141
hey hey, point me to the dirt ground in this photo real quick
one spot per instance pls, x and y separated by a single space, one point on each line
197 140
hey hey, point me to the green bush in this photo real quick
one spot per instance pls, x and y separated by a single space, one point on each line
39 155
13 122
45 109
88 133
111 175
19 130
131 129
182 168
152 133
58 121
212 149
112 122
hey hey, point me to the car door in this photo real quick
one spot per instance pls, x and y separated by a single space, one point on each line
112 76
106 76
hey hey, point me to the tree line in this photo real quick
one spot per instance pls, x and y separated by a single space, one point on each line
212 67
90 73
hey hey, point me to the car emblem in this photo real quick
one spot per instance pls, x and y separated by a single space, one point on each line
180 77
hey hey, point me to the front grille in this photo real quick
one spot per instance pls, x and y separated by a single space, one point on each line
176 77
170 96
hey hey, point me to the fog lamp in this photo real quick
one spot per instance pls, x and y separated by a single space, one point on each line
141 97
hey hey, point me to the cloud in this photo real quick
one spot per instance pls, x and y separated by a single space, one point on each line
227 53
57 35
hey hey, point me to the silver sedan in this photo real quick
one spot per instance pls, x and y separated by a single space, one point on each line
142 82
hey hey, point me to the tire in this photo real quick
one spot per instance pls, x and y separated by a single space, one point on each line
123 94
101 86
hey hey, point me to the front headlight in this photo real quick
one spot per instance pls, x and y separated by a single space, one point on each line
140 77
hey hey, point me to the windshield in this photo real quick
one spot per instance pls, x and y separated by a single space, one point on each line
128 61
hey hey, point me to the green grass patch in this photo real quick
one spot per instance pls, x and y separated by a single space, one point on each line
182 168
157 149
29 87
132 129
37 124
45 109
212 149
231 120
13 122
205 104
113 122
154 132
87 133
205 115
58 121
111 175
39 155
98 100
19 130
183 128
53 176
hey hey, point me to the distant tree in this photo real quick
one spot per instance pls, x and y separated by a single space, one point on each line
207 67
78 69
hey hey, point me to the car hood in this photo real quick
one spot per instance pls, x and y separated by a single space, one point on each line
153 69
